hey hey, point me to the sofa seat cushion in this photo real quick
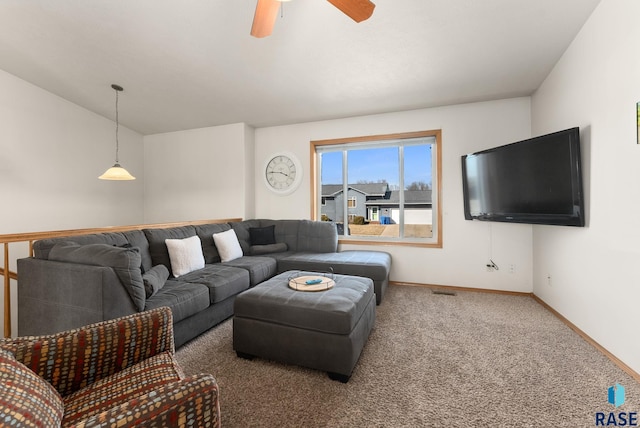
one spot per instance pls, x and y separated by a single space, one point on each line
221 281
278 256
130 383
335 311
259 268
371 264
184 299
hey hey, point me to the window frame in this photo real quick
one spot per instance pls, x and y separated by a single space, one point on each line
437 188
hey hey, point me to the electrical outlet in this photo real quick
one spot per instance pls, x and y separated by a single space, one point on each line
549 280
512 268
491 266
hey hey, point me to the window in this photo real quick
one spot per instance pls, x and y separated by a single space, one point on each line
386 187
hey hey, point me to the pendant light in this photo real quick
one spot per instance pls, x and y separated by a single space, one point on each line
116 172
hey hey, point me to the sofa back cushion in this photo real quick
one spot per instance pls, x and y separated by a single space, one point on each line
125 262
205 232
42 247
137 239
317 237
27 400
158 247
285 231
242 232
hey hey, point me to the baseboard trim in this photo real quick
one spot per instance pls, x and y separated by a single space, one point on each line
628 370
454 288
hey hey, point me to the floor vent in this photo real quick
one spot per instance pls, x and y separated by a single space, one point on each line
444 292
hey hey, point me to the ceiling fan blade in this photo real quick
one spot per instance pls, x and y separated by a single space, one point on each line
264 18
358 10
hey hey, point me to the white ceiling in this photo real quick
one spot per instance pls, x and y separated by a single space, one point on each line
191 63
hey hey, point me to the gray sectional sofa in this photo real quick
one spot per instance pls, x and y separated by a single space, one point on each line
74 281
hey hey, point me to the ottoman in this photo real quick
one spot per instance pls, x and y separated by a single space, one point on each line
323 330
371 264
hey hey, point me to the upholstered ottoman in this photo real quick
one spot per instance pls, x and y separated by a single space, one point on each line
372 264
323 330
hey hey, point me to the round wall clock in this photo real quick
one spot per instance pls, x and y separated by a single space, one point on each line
282 173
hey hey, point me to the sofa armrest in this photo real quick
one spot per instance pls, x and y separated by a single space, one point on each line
192 401
74 359
57 296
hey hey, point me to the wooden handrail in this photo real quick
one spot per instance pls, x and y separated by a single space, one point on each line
12 274
31 237
7 293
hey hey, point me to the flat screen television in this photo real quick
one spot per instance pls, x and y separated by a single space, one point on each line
536 181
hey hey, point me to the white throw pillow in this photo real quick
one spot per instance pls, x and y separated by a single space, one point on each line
228 245
185 255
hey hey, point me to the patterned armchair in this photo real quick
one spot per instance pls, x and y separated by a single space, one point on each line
116 373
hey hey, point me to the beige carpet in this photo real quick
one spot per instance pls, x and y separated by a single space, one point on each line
470 360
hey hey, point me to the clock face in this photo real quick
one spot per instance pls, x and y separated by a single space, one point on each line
282 173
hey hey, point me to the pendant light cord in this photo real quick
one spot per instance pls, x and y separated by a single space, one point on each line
117 128
117 172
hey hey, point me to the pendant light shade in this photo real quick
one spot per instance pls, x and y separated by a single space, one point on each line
116 172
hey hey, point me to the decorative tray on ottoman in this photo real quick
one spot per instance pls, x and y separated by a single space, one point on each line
319 282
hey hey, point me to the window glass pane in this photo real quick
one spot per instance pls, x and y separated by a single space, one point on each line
331 188
418 185
381 190
374 180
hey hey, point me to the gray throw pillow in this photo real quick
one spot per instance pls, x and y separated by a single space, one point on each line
154 279
256 250
124 261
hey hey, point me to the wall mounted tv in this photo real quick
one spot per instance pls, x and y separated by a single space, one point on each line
536 181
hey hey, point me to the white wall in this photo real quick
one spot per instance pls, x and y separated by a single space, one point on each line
595 281
51 154
199 174
467 245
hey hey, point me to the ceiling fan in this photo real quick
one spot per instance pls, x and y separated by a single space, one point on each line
267 11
